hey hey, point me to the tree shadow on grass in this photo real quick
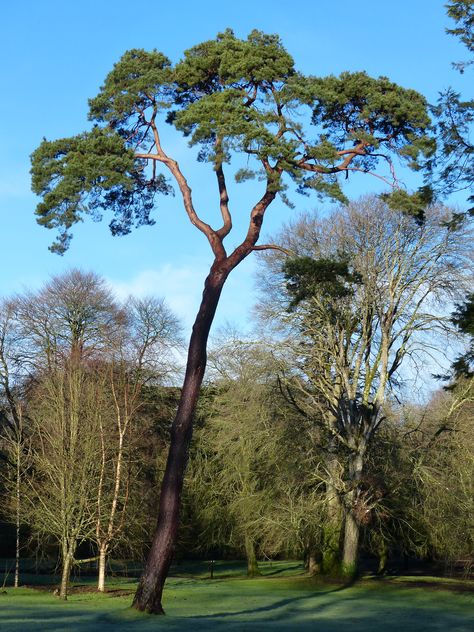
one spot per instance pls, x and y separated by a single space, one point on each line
278 571
276 604
302 613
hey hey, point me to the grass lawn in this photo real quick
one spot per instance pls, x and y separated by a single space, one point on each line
282 600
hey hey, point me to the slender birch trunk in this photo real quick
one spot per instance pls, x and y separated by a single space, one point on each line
17 511
105 540
102 564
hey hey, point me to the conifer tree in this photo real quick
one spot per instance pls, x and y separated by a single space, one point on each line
230 97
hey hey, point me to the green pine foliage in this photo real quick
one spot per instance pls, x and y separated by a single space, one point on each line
462 12
411 204
332 278
229 96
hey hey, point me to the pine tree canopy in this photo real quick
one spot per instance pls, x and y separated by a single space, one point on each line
462 12
229 96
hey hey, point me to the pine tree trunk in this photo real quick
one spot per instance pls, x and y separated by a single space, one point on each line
102 561
252 564
150 589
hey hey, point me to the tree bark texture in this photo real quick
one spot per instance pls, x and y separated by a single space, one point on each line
102 562
331 557
383 557
351 545
352 519
314 562
17 517
148 597
66 571
252 565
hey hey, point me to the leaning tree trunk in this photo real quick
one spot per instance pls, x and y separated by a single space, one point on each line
150 589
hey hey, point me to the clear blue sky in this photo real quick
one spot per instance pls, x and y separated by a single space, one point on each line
55 54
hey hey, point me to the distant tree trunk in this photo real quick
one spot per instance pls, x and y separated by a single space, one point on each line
352 520
102 562
17 512
331 537
330 563
65 573
252 565
383 557
150 589
314 562
351 545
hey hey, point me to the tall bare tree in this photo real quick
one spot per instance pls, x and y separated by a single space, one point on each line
89 360
368 291
12 426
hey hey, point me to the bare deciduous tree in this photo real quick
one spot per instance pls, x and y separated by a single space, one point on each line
369 290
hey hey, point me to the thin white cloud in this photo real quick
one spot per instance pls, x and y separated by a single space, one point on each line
180 286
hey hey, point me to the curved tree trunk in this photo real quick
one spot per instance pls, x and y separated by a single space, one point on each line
149 592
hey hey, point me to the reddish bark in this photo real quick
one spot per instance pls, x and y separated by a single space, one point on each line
150 589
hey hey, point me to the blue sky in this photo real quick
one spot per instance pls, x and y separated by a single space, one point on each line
55 55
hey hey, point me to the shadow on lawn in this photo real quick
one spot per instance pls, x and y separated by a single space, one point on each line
277 604
280 616
283 569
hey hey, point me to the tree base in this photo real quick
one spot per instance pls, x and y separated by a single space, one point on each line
155 609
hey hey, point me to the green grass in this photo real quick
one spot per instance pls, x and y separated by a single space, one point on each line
281 601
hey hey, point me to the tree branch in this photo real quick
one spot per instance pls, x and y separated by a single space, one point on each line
223 196
285 251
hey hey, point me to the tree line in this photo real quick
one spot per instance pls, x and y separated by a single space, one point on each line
309 441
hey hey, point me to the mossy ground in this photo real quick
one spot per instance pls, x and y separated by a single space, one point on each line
281 600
